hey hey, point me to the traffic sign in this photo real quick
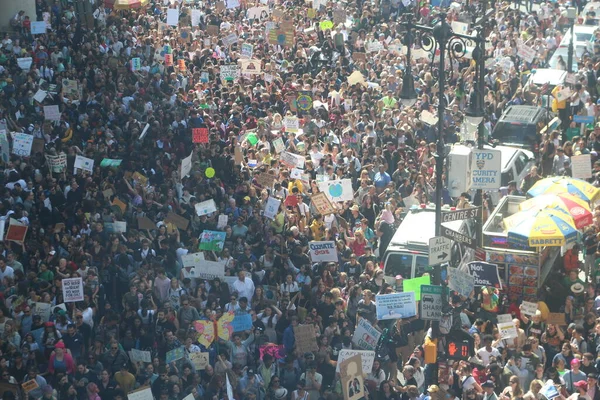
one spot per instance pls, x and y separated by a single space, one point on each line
459 215
458 349
459 237
431 302
439 250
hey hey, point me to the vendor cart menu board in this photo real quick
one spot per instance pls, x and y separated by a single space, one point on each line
520 272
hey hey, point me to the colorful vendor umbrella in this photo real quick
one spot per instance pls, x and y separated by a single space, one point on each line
539 228
125 4
556 185
578 209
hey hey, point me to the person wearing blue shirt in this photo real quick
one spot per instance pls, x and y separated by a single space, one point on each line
381 179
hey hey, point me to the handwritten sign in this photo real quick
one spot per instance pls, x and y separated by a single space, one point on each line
306 340
52 113
22 143
200 360
365 336
200 135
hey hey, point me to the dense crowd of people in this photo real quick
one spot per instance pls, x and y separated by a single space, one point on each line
140 91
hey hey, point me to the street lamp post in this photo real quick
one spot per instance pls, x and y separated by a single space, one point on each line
439 39
571 15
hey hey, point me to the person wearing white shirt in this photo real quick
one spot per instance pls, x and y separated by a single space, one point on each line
244 286
487 350
5 270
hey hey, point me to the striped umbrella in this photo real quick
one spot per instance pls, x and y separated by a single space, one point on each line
539 228
578 209
561 184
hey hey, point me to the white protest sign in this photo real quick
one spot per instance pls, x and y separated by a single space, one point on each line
296 173
526 52
461 282
211 270
206 207
247 50
141 394
173 16
291 123
52 113
24 63
278 145
233 3
563 95
186 165
460 27
196 15
84 163
368 356
374 46
395 305
40 95
43 310
507 330
323 251
366 336
337 190
191 263
528 308
140 355
230 39
144 131
22 143
292 160
272 207
222 222
72 289
229 72
581 166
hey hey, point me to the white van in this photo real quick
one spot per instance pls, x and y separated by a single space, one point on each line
408 252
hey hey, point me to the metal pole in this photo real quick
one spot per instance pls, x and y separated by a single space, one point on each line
570 51
439 165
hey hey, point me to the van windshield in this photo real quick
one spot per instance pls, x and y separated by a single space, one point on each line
399 264
516 133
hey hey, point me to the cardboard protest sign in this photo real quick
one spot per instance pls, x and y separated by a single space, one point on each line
211 270
247 50
200 360
292 160
72 289
278 145
241 322
291 123
272 207
57 163
556 319
177 220
229 72
30 385
351 374
322 203
251 67
266 180
306 340
43 310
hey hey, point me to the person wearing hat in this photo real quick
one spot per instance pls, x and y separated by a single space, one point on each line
573 284
593 390
313 380
61 360
125 379
488 391
574 375
580 391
